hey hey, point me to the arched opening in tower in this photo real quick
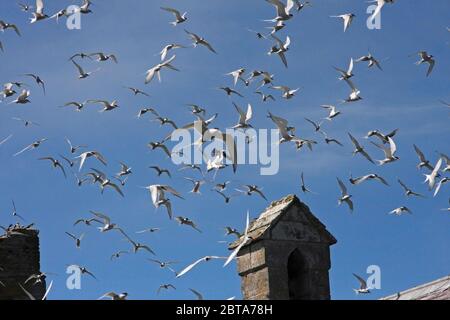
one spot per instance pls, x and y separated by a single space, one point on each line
298 277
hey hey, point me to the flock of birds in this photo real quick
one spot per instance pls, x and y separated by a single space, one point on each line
76 157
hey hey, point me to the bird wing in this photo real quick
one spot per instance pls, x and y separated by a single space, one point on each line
366 155
437 167
283 58
313 123
280 7
174 11
438 187
261 194
350 67
116 187
432 62
236 251
197 294
278 40
350 204
361 281
71 235
23 150
241 113
102 216
172 191
347 21
382 180
189 267
289 5
420 153
6 139
39 6
90 273
155 193
48 290
351 84
392 146
403 185
208 45
62 169
150 75
354 141
99 157
192 35
114 58
164 52
342 186
83 157
15 28
361 179
29 295
249 113
380 4
80 69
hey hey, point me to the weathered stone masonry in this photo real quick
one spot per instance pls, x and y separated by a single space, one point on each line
19 258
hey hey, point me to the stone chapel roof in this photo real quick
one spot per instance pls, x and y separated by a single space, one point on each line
269 218
436 290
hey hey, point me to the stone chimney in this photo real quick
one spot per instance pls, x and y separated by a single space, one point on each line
19 259
288 256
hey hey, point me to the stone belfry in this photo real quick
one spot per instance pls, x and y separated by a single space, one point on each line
288 256
19 259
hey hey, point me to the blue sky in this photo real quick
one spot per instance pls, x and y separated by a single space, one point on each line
410 249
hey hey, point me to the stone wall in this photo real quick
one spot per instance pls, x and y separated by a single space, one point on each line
19 258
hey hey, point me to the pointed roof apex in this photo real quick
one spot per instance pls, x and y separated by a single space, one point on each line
259 228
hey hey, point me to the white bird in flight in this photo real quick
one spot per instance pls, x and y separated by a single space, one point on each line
359 149
244 239
107 106
408 191
431 178
400 211
244 117
81 73
389 152
363 289
426 58
97 155
191 266
347 18
31 146
283 11
38 14
288 93
236 74
156 70
168 48
23 97
345 197
346 74
197 40
180 18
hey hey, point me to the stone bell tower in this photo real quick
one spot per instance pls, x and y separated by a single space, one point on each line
19 258
288 257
